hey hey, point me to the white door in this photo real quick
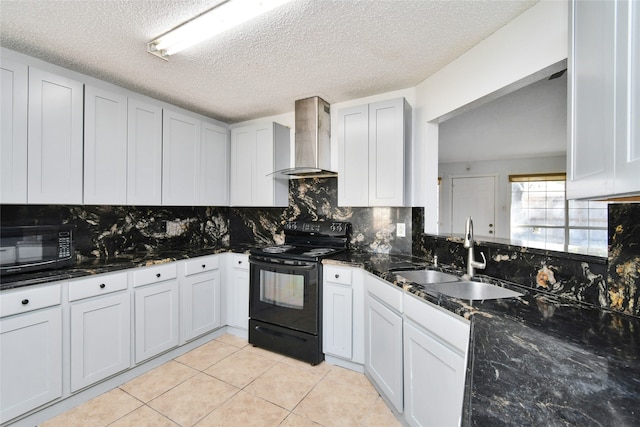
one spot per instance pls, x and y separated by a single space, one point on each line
30 361
474 197
100 339
180 159
337 320
214 177
13 132
353 156
201 303
383 353
434 380
55 139
105 147
156 319
242 166
386 153
144 159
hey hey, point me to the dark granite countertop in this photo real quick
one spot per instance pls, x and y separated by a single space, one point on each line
91 267
533 360
536 359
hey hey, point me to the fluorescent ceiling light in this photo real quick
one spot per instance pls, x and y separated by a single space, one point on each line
215 21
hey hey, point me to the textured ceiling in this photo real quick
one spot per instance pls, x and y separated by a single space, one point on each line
339 50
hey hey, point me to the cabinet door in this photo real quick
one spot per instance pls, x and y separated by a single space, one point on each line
237 290
30 361
105 147
263 180
337 320
242 166
180 159
353 152
386 153
100 339
144 158
13 132
156 319
627 161
54 139
201 306
591 80
383 350
214 157
433 380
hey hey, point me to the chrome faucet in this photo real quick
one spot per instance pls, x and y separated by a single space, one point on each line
472 264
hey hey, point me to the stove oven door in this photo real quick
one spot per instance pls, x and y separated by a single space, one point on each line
285 295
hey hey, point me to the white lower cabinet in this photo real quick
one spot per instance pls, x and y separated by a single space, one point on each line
100 339
435 352
343 313
383 339
30 350
156 309
200 294
237 288
100 328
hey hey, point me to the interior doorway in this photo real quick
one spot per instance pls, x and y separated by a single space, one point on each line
475 197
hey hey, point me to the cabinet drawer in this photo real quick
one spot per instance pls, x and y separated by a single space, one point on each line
337 275
155 274
98 285
200 265
240 261
449 328
385 292
29 299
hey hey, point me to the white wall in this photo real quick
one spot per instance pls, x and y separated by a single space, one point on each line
535 40
502 169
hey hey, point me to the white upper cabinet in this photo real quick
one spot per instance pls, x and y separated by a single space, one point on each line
144 154
214 179
604 147
194 161
54 139
180 159
256 152
373 154
105 147
13 132
353 170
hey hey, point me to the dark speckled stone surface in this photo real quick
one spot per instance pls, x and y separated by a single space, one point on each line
539 359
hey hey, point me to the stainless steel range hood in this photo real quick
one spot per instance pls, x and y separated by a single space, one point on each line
312 141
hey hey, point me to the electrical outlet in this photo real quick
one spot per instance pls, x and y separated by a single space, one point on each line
401 230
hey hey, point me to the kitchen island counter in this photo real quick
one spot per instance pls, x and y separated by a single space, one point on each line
536 359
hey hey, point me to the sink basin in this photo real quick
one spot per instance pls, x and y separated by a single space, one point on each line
474 291
425 277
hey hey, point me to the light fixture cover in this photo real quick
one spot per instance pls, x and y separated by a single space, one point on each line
221 18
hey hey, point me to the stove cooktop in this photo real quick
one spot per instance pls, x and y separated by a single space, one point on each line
297 252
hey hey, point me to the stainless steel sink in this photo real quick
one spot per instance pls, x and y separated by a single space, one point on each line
474 291
425 277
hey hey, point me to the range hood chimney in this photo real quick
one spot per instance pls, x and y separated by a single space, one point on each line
312 141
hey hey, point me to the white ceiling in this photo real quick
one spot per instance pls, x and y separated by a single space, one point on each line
529 122
339 50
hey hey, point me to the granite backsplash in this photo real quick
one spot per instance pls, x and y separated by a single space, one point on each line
112 231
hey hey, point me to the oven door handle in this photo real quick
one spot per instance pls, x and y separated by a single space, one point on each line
305 267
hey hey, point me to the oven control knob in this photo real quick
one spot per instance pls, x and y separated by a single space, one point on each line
337 276
25 301
204 265
102 285
239 262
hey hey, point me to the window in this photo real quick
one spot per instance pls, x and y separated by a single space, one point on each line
542 217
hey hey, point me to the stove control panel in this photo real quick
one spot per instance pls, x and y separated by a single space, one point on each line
318 228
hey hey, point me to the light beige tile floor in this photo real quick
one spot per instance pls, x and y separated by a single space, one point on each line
227 382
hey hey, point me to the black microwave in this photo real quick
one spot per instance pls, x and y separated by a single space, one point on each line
35 248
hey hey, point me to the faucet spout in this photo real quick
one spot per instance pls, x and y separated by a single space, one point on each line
472 264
